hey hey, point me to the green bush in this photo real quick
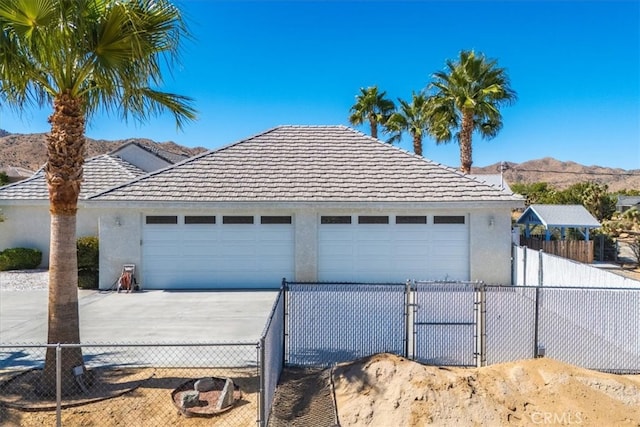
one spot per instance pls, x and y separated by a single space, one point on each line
88 262
20 259
88 253
88 279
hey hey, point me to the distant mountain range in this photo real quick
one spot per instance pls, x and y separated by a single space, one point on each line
564 174
27 151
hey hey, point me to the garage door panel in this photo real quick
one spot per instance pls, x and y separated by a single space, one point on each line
335 233
336 251
372 236
403 250
238 233
270 248
393 252
209 256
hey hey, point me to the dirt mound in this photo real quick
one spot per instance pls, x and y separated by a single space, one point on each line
387 390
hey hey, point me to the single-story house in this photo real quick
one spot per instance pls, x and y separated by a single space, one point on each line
305 203
25 204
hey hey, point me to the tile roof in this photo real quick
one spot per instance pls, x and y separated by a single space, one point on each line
559 216
308 163
100 172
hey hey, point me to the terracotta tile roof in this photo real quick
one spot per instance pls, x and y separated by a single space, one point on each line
308 163
100 172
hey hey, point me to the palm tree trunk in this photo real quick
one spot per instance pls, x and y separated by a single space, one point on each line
374 126
65 147
465 140
417 144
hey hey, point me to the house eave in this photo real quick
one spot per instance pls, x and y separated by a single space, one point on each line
283 204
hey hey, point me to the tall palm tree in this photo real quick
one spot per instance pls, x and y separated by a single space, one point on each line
82 57
467 98
371 106
412 118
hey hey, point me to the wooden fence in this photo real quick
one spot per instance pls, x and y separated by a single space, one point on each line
577 250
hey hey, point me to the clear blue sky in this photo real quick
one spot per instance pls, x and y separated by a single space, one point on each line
254 65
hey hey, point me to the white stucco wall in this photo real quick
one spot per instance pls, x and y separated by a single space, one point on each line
28 226
489 236
490 246
120 233
306 246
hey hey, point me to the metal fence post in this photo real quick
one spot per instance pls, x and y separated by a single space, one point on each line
536 322
524 266
480 327
407 304
285 315
540 269
262 422
58 385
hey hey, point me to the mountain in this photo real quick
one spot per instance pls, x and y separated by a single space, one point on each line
28 151
564 174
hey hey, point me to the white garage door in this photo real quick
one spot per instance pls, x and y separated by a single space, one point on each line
216 252
393 248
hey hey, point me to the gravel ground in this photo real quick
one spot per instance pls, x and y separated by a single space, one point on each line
23 280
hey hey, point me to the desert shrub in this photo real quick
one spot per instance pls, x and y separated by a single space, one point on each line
20 259
88 253
88 262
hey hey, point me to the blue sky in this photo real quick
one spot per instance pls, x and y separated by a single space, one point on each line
254 65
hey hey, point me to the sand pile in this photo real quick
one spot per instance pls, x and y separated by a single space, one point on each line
387 390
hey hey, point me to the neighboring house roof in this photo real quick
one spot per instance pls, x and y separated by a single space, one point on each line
155 150
627 201
14 172
308 163
100 172
558 216
496 180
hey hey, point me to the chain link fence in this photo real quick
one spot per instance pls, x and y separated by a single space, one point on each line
319 325
132 385
463 324
329 323
144 384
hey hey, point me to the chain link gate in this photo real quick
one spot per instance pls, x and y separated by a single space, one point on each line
448 323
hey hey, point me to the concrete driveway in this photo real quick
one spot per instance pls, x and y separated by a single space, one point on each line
145 317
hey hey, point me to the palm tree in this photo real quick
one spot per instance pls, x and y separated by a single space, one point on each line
412 118
371 106
467 98
83 57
